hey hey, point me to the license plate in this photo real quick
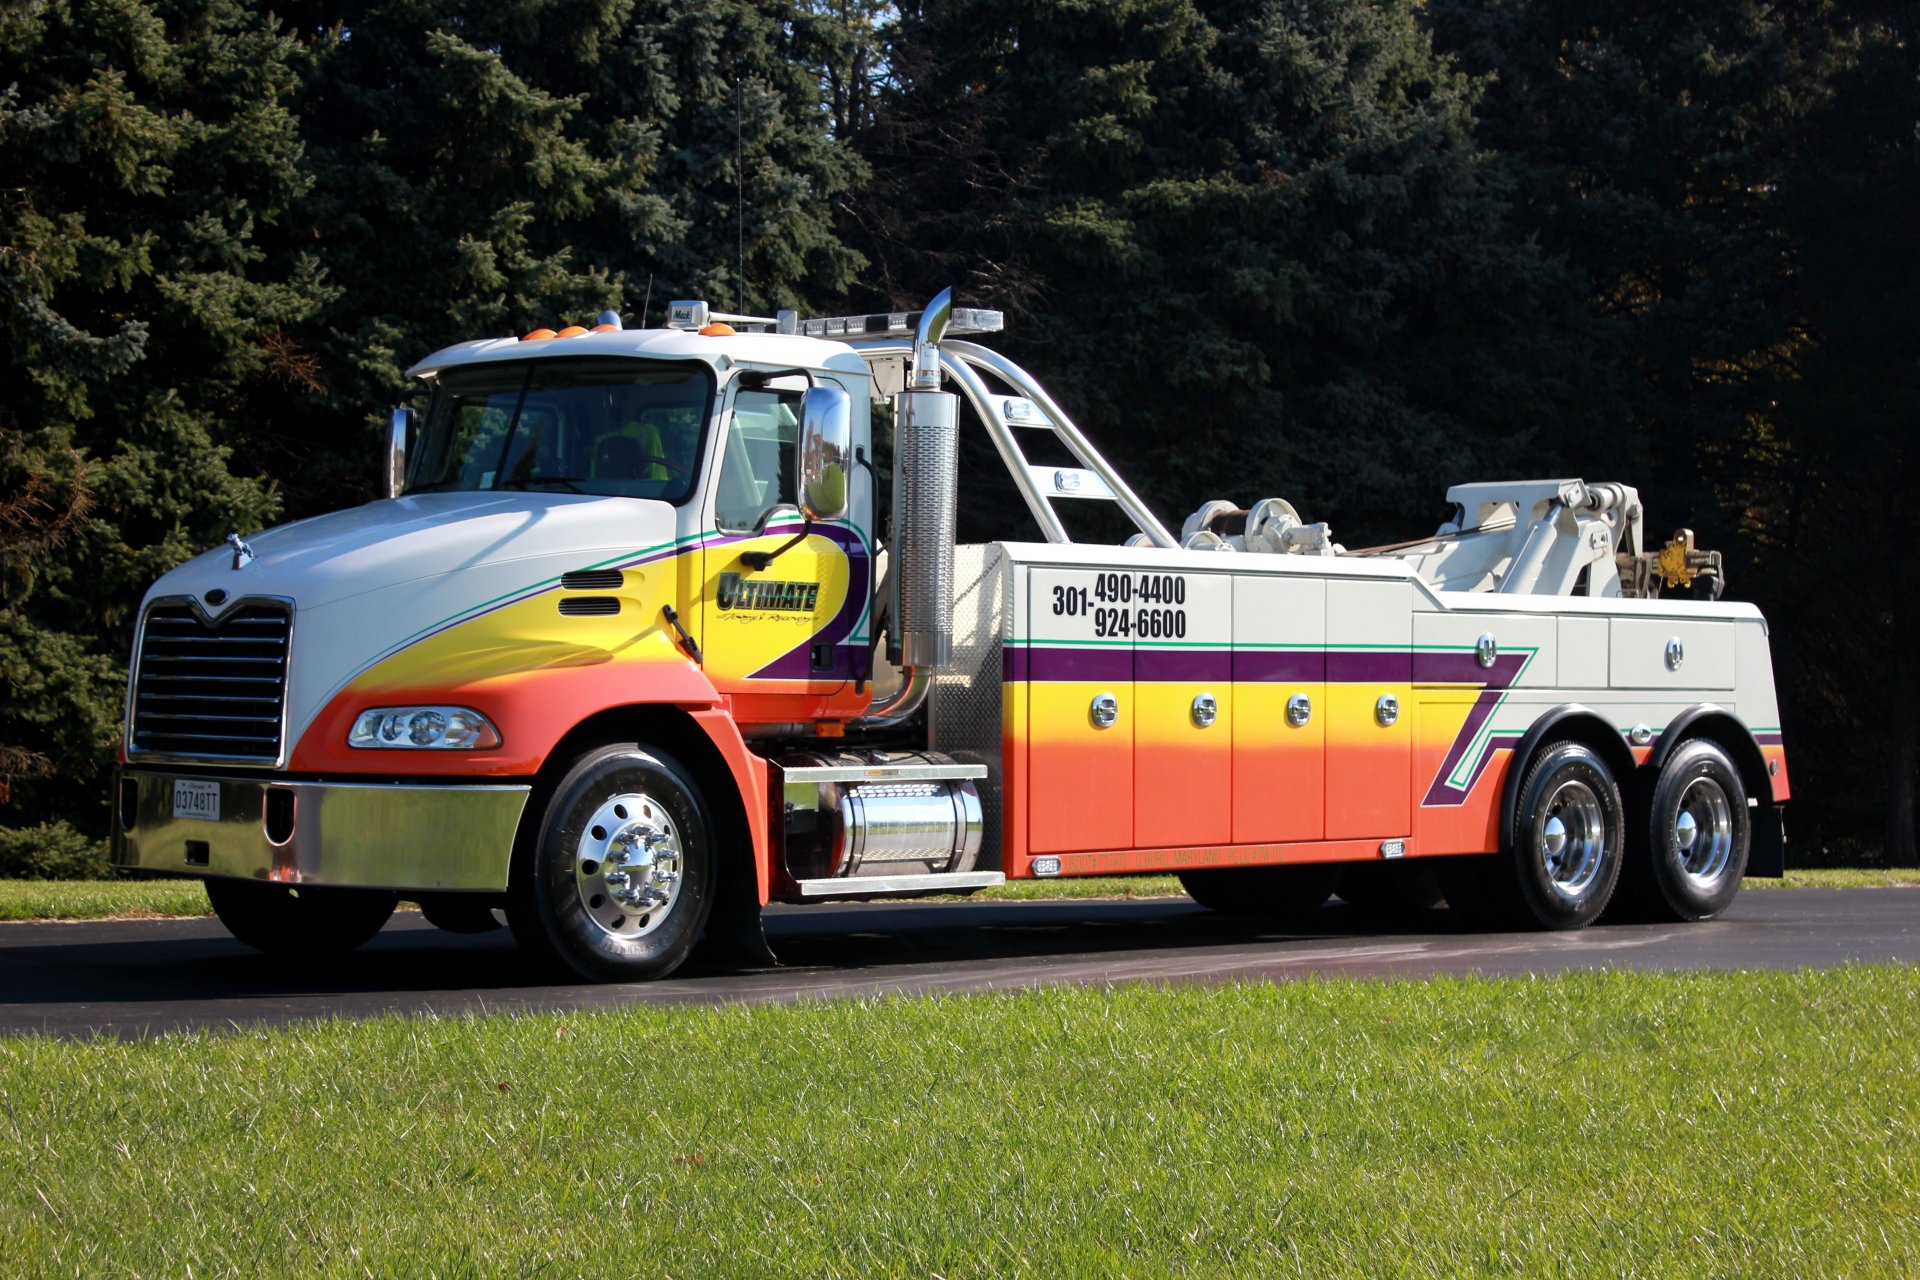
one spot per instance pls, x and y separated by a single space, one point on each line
193 799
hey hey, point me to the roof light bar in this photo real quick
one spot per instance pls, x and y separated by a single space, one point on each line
694 315
901 324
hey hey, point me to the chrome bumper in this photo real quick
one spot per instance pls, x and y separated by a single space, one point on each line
367 835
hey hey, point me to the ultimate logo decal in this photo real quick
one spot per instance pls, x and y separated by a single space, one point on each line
766 594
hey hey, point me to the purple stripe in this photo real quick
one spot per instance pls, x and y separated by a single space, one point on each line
1496 679
1079 664
797 662
1456 667
1186 665
1013 665
1768 739
1370 666
1280 666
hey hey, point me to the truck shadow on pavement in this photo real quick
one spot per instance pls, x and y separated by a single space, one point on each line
123 963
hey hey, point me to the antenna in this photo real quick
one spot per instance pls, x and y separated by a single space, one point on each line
739 201
648 304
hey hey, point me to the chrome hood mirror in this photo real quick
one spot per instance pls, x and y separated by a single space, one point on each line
825 453
398 434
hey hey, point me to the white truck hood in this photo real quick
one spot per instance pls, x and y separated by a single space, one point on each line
396 541
369 581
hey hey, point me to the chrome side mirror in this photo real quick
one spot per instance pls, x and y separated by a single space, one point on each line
825 452
397 436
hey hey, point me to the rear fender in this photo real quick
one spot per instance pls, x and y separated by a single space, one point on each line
1568 722
1767 856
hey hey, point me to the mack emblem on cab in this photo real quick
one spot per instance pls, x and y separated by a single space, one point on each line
633 647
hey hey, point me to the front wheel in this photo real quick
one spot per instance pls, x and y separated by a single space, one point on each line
299 920
620 877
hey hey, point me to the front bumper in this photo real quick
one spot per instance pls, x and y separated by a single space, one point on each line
364 835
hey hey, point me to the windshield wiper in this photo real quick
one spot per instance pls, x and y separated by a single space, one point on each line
526 482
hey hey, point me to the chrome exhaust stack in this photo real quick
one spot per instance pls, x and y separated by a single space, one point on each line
926 472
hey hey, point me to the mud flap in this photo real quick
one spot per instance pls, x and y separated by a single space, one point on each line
734 937
1767 857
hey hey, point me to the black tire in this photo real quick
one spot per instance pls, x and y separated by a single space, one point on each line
1569 835
1280 895
299 920
460 912
1390 888
1691 839
566 909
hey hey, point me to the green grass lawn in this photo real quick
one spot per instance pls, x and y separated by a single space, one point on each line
108 899
1592 1124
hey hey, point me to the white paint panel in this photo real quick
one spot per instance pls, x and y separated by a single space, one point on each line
1376 614
1273 611
1637 657
1583 653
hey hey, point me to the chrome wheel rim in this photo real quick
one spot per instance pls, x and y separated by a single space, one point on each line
1703 832
1573 839
628 865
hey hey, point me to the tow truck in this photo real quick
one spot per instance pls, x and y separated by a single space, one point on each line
647 634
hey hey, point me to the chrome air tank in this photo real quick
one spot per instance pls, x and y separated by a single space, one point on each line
892 819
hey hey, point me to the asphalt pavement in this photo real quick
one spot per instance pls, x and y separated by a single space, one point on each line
144 977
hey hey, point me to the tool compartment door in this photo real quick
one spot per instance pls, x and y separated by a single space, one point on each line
1279 653
1182 760
1663 653
1079 772
1369 657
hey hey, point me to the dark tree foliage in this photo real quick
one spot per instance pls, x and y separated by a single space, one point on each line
1253 244
147 151
1735 183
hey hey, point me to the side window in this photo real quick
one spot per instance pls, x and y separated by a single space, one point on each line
756 462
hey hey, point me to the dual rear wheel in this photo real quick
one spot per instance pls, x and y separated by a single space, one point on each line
1674 849
1677 852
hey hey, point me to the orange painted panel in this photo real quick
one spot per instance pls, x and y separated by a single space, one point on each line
1013 779
1079 776
1776 756
1369 765
1183 772
1458 771
1279 769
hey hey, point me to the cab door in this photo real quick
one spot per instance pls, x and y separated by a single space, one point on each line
777 639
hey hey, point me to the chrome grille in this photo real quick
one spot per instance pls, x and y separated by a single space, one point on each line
211 690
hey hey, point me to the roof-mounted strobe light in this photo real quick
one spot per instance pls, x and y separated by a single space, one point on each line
902 324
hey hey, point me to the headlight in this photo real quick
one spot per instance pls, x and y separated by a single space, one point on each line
410 728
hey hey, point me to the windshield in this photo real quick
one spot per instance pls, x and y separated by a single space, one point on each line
617 427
